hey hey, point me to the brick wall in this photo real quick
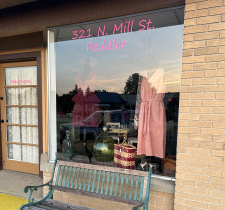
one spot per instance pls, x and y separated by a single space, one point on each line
157 201
200 177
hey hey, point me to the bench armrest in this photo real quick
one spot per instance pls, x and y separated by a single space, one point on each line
34 188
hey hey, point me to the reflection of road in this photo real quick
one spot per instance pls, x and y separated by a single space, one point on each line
61 120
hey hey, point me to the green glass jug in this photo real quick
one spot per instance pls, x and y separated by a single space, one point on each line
103 149
67 150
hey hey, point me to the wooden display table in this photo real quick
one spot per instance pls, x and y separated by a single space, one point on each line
124 131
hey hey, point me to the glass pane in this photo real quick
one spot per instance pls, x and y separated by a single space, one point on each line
122 74
30 154
14 152
23 153
21 96
22 134
21 76
22 115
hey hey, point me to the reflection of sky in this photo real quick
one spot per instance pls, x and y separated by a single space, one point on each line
149 50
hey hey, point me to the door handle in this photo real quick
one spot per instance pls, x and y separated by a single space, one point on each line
2 121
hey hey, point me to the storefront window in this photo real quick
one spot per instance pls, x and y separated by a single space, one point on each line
117 81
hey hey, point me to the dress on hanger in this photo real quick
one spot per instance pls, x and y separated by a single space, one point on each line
150 116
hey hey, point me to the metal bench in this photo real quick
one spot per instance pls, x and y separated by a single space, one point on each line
110 183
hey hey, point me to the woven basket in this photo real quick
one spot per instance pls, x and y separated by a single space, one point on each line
169 164
124 155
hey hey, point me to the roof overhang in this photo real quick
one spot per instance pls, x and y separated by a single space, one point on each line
11 3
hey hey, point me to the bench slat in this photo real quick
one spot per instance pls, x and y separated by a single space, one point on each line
85 179
131 186
121 185
145 188
103 181
57 177
126 186
98 183
69 204
69 179
65 176
94 180
136 188
77 179
33 208
103 168
46 207
142 187
62 174
117 182
112 184
90 179
107 184
99 196
81 178
55 174
73 179
55 206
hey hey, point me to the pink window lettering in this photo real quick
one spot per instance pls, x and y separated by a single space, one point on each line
81 36
149 22
113 44
74 34
24 81
117 29
143 26
101 31
89 46
28 81
89 33
144 23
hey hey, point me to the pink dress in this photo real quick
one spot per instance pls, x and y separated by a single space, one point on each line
151 117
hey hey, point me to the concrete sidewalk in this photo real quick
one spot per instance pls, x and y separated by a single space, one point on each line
13 183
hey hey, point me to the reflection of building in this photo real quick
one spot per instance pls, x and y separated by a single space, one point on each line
130 99
110 101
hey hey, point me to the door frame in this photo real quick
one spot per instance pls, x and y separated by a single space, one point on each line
28 56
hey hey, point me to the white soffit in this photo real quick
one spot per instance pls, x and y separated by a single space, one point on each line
11 3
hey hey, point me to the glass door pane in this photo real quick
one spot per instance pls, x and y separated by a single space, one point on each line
21 96
21 113
21 76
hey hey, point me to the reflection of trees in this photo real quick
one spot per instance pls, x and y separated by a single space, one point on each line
99 91
131 84
64 102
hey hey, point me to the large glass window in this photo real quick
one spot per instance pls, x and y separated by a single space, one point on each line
117 81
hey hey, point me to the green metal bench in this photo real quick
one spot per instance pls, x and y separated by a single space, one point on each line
110 183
